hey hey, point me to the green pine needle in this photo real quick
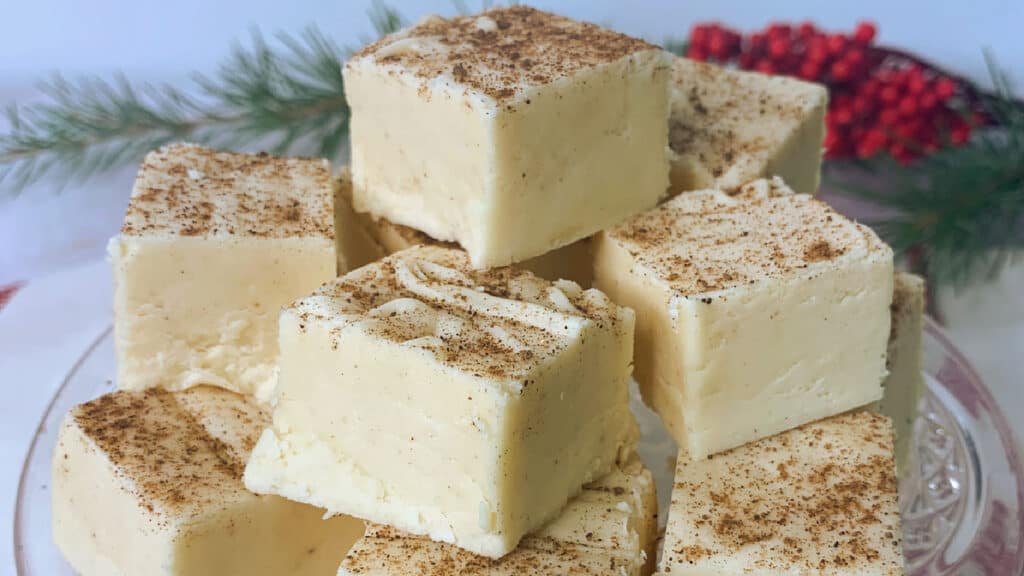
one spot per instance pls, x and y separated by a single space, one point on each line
962 207
287 97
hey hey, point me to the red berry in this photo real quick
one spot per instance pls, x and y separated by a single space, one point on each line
840 71
865 32
901 153
817 49
889 94
699 35
861 107
779 29
855 57
778 48
718 45
810 70
869 88
758 40
695 52
888 117
960 134
842 116
807 29
747 60
871 143
908 107
928 101
764 66
945 88
836 43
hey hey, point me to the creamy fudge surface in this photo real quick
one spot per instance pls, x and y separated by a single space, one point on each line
501 51
189 191
905 382
512 132
756 311
571 262
729 127
504 322
819 499
461 404
150 482
609 528
213 245
707 244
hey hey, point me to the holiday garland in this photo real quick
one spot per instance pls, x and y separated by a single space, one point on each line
942 160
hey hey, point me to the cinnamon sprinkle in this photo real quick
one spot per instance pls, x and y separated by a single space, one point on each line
187 190
502 50
709 241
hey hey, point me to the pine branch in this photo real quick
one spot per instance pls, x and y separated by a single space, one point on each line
289 97
961 207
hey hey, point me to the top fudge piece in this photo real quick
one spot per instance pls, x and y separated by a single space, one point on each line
213 245
729 127
570 262
512 132
465 405
755 312
819 499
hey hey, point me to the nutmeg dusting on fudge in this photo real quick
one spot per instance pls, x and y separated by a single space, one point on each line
431 297
787 514
502 50
713 107
158 440
188 190
707 241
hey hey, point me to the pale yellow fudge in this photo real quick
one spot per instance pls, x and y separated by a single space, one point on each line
150 482
905 383
213 245
512 132
819 499
755 312
608 529
729 127
468 406
571 262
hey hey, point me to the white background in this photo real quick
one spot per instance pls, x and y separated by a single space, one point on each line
169 37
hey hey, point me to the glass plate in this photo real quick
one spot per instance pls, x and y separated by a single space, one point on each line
961 505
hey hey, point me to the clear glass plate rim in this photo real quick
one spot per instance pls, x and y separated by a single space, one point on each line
971 383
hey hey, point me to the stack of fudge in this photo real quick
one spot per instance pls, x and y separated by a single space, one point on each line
420 364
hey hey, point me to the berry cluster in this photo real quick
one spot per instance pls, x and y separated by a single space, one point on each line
881 99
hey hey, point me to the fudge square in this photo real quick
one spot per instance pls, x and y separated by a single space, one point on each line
905 382
512 132
570 262
150 482
819 499
755 312
610 528
729 127
467 406
213 245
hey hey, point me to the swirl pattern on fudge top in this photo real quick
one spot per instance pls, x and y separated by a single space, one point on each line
501 50
709 241
499 323
186 190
